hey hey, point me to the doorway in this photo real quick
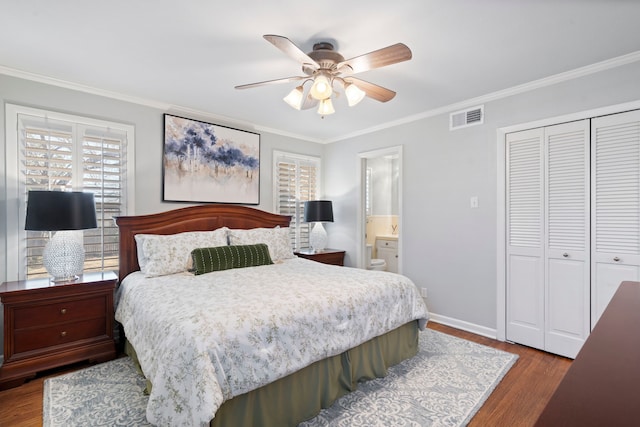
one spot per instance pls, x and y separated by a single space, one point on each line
380 213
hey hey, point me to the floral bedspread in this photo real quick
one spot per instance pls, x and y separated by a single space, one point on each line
203 339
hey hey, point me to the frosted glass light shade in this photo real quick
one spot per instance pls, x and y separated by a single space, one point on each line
318 237
294 98
63 256
354 94
326 107
321 88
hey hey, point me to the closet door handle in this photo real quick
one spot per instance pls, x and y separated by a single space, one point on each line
616 259
566 255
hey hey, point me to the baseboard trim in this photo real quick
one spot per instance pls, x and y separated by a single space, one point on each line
465 326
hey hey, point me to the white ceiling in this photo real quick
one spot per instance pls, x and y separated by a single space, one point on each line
190 54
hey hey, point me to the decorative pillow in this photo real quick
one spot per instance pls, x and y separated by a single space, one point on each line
206 260
159 255
277 239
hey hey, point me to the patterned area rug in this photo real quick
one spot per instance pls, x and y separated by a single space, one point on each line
443 385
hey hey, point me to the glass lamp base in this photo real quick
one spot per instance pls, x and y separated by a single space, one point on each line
63 256
318 237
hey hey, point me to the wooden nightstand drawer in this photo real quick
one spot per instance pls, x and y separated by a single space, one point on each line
63 311
44 337
47 325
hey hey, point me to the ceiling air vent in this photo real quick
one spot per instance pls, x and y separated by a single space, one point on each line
465 118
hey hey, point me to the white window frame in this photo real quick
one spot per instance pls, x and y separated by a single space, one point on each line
277 155
15 206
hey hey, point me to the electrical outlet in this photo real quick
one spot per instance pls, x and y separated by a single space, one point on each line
423 291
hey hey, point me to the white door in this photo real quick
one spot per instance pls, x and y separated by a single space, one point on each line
615 201
548 257
567 266
525 244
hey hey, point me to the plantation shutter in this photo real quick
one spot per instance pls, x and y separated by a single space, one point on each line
47 164
63 156
297 179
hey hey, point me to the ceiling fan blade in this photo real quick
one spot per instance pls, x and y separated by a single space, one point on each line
271 82
289 48
373 91
393 54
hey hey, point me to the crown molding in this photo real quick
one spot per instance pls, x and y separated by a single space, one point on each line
505 93
163 106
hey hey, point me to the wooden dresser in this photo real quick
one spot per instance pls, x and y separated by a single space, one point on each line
327 256
602 386
48 325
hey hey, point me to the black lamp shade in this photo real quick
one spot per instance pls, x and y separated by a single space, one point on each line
318 211
60 210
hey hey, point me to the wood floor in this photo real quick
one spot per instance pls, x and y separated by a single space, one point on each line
516 401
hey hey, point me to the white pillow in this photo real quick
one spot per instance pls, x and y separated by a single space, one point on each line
277 239
159 255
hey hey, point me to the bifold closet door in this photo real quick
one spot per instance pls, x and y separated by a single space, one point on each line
567 229
525 238
548 294
615 201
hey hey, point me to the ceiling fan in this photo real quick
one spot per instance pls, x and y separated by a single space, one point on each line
327 69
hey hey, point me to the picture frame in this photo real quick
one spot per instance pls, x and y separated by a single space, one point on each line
208 163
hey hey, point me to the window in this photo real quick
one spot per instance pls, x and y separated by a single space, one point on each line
297 180
61 152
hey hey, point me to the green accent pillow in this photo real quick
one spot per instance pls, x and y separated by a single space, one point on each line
206 260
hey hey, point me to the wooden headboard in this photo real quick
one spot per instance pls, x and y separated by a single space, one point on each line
193 218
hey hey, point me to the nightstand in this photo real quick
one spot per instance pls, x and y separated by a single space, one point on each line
327 256
47 325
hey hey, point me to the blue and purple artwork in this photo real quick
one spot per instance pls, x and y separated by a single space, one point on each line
203 162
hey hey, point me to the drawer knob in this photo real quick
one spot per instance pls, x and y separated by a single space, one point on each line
566 255
63 311
63 334
616 259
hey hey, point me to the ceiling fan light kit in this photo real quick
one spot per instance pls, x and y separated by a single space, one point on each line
295 98
325 68
326 107
321 88
354 94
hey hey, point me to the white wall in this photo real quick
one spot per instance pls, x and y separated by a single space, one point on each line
148 124
447 246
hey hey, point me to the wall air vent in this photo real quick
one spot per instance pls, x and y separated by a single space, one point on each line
465 118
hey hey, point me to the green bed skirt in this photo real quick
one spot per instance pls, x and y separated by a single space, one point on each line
301 395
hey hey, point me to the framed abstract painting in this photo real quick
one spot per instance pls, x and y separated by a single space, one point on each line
207 163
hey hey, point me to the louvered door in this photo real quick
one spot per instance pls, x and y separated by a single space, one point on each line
525 238
615 218
548 295
567 267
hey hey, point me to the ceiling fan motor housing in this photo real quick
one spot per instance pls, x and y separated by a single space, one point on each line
325 56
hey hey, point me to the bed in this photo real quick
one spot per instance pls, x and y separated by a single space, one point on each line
270 344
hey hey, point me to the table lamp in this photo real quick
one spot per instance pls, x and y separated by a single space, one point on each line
318 211
62 212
